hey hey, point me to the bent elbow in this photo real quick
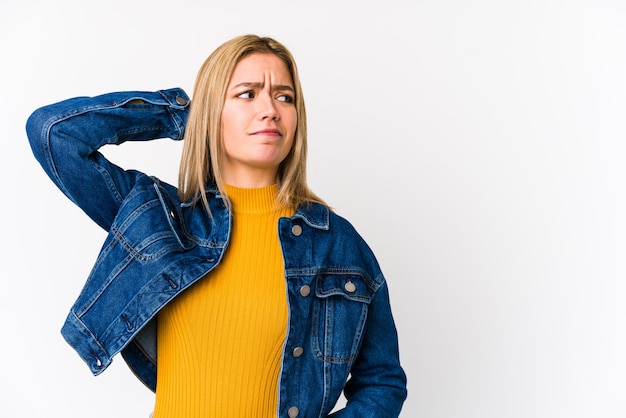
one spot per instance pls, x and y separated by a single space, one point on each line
37 125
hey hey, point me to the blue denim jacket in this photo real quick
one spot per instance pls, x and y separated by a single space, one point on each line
341 334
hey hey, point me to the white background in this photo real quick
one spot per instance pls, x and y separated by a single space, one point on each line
478 146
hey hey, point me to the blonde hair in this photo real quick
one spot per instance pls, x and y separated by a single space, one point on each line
202 150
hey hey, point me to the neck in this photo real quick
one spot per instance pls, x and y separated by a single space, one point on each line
249 179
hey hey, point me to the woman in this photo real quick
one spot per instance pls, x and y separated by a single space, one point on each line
261 301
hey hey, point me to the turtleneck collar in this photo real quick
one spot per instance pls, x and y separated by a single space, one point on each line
254 200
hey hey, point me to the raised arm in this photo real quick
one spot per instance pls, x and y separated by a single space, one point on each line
65 138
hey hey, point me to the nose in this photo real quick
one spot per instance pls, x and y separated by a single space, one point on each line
267 108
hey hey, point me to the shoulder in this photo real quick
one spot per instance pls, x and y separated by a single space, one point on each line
322 217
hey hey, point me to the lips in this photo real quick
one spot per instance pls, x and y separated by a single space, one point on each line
267 132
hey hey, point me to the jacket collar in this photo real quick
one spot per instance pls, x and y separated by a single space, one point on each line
315 215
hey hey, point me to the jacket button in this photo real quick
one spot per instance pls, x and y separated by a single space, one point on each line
297 352
181 101
305 290
296 230
293 412
350 287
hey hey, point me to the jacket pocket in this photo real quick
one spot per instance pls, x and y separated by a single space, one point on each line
339 316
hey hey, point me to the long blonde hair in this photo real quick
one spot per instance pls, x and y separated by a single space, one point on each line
202 150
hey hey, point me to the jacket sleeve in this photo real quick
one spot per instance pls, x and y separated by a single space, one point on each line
65 138
377 385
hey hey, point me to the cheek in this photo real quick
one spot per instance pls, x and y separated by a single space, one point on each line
291 121
291 126
289 146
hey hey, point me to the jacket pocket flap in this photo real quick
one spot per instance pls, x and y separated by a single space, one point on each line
350 286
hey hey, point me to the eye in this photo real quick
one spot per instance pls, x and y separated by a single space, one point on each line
246 95
285 98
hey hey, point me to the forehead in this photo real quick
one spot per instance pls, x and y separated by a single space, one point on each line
259 67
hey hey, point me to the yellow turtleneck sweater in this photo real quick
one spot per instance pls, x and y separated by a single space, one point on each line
220 342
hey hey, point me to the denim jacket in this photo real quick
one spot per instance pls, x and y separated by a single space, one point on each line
341 334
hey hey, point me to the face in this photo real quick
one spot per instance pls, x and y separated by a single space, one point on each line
258 121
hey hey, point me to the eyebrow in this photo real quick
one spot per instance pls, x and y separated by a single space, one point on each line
260 85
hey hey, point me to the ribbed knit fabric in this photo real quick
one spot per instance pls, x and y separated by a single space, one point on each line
220 341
